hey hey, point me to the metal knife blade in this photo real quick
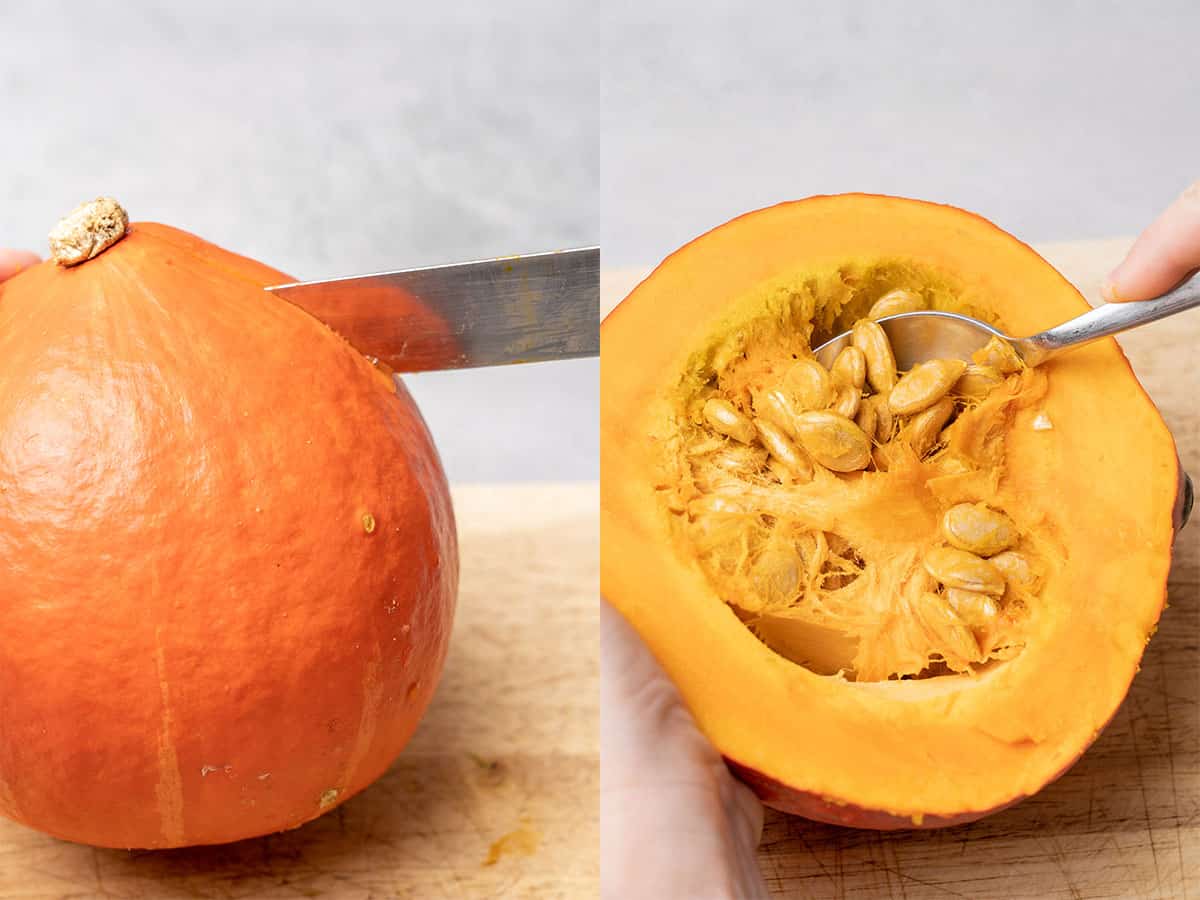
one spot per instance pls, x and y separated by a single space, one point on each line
530 308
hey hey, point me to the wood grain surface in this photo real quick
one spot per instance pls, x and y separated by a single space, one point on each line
496 796
1125 821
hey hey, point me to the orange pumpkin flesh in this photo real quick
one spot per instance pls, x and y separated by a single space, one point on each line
227 553
1095 495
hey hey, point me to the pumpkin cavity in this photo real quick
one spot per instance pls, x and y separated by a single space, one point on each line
853 518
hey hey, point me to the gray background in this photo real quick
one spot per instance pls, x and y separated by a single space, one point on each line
392 134
1056 120
349 137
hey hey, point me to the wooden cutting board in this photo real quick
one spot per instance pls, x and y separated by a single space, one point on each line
496 796
1125 821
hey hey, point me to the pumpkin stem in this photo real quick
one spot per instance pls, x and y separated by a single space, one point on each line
89 230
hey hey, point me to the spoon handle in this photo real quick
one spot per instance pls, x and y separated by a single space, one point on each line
1111 318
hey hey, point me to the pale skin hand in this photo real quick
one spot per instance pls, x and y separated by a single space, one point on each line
1163 255
13 261
674 823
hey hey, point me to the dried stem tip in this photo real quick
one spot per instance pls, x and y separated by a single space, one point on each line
89 230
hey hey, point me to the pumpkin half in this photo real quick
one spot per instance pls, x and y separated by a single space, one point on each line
794 603
228 562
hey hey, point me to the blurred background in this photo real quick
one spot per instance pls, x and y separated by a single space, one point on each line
337 138
1055 120
327 140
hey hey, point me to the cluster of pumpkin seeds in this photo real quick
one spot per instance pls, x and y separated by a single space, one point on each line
980 577
848 417
854 416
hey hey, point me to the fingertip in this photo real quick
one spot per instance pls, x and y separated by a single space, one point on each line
1110 290
1163 254
14 261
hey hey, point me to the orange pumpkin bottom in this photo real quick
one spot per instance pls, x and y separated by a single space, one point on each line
810 806
227 552
884 613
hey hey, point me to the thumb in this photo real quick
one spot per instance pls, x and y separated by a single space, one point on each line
1163 255
13 261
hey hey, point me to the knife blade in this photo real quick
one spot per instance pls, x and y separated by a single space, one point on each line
530 308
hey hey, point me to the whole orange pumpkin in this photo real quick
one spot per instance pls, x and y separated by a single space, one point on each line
228 561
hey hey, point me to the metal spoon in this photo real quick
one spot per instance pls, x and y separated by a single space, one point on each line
918 336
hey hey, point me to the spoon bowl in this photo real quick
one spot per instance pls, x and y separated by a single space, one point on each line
919 336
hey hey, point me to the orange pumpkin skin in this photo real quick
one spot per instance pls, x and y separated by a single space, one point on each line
811 806
228 562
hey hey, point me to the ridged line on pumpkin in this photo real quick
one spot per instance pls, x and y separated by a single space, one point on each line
234 273
224 267
8 802
169 790
369 718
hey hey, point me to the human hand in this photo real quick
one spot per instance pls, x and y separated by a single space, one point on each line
1163 255
674 823
13 261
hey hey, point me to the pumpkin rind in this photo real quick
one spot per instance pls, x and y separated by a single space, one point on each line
201 641
895 753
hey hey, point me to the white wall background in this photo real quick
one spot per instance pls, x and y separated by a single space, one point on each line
1056 120
390 134
407 134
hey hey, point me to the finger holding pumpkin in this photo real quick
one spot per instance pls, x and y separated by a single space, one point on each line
14 261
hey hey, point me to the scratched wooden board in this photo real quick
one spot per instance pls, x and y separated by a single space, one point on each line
1125 821
496 796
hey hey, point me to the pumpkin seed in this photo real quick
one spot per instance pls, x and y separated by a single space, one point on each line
808 384
1016 569
947 632
976 382
867 418
850 367
924 385
960 569
847 400
868 337
724 417
976 609
776 577
1000 355
833 440
886 422
923 429
774 406
893 303
979 529
780 446
882 457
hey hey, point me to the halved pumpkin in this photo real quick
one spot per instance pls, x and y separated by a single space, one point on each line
788 609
